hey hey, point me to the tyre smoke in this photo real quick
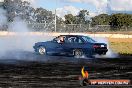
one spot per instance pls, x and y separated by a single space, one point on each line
3 18
19 40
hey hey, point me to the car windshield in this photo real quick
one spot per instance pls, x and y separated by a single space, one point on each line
88 39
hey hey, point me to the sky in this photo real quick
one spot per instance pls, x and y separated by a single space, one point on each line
94 7
73 6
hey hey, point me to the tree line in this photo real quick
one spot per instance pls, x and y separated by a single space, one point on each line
23 9
117 21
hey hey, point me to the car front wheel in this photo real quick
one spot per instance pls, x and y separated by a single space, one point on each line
42 50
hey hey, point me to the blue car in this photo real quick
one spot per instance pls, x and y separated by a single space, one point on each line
75 45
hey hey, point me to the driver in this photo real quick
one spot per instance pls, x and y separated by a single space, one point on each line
61 39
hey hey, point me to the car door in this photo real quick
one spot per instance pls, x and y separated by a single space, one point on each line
71 43
76 42
54 47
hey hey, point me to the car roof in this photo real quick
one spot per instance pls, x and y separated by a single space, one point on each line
72 35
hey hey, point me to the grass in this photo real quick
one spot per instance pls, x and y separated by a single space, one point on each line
121 46
115 32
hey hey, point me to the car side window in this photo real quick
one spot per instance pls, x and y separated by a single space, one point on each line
80 41
87 39
71 40
74 40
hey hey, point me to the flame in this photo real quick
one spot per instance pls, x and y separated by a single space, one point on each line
84 73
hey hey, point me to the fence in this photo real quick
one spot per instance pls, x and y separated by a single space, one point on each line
75 28
50 27
68 27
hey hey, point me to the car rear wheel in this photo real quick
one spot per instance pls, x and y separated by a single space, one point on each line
77 53
42 50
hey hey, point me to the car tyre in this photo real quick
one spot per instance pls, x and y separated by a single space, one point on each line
42 50
77 53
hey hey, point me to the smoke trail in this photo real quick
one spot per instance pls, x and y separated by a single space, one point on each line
18 25
3 19
15 45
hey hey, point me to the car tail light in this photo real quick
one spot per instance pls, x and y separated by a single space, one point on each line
96 46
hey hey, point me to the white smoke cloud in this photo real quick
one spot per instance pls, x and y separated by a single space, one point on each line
3 19
1 0
12 46
18 25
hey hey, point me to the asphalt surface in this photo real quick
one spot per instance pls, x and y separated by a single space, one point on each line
29 70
